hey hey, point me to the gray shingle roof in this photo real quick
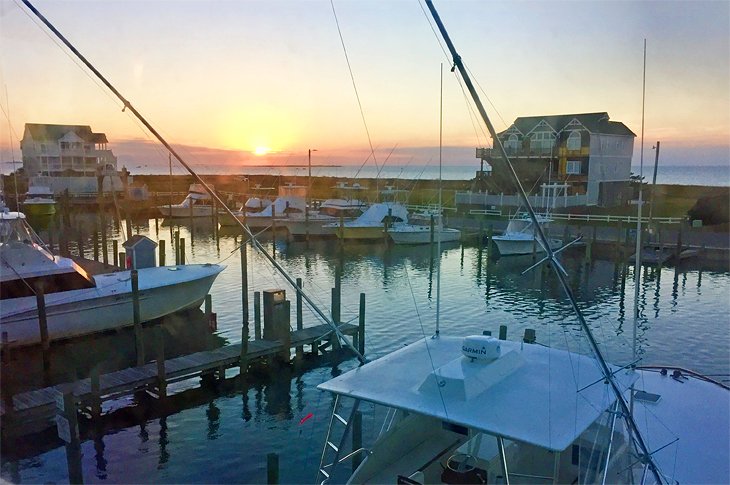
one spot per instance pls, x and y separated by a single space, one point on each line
44 132
593 122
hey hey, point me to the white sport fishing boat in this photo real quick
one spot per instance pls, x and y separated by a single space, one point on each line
76 302
411 233
318 222
372 223
480 410
197 203
519 238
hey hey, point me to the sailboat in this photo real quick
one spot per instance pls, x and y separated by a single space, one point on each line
482 410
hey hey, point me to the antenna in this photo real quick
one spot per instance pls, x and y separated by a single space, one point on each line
458 64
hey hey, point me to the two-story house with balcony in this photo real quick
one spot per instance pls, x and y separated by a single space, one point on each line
68 157
587 151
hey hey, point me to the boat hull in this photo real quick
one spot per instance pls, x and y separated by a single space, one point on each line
197 211
39 209
360 233
422 235
109 305
510 246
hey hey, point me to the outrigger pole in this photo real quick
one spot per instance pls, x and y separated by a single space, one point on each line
647 456
252 238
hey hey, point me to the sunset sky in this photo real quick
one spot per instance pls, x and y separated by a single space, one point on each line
227 79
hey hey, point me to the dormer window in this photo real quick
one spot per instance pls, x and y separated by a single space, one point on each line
512 144
542 141
574 141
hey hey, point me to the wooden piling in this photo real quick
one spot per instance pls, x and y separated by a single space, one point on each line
177 248
490 233
122 260
42 322
138 337
300 323
95 242
161 371
503 332
104 248
243 360
161 249
356 439
80 244
208 306
272 468
530 336
679 241
182 250
95 407
257 314
432 230
5 350
115 253
336 299
68 431
361 326
273 231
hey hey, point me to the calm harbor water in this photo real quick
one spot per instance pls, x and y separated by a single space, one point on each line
223 436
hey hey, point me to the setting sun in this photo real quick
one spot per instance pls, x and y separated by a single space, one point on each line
261 150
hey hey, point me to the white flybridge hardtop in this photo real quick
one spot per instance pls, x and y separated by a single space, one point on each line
198 203
528 393
520 238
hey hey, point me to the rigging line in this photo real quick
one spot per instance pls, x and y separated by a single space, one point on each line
425 341
12 151
553 262
382 165
354 86
254 241
35 21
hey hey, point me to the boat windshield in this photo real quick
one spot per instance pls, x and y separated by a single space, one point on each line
12 230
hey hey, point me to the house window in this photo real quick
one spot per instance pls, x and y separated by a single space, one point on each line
572 167
574 141
542 141
64 145
512 144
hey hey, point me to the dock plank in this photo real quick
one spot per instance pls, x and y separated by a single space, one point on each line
40 403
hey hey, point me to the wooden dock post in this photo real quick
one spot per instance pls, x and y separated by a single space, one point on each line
161 249
356 439
336 299
115 253
679 241
122 260
42 322
432 231
208 306
138 337
177 248
182 250
104 245
361 326
243 361
272 469
95 407
503 332
68 431
490 233
161 371
257 314
277 315
95 242
273 231
5 356
80 244
530 336
300 323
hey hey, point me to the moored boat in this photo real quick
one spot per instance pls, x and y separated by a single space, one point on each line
317 223
519 238
39 201
197 203
372 223
77 303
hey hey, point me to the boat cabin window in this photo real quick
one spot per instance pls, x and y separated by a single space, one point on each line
19 288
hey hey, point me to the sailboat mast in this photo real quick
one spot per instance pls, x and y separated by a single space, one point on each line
171 150
637 257
551 255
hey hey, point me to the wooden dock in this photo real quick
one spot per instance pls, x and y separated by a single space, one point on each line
35 409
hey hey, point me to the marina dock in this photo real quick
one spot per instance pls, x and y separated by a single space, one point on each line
35 410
